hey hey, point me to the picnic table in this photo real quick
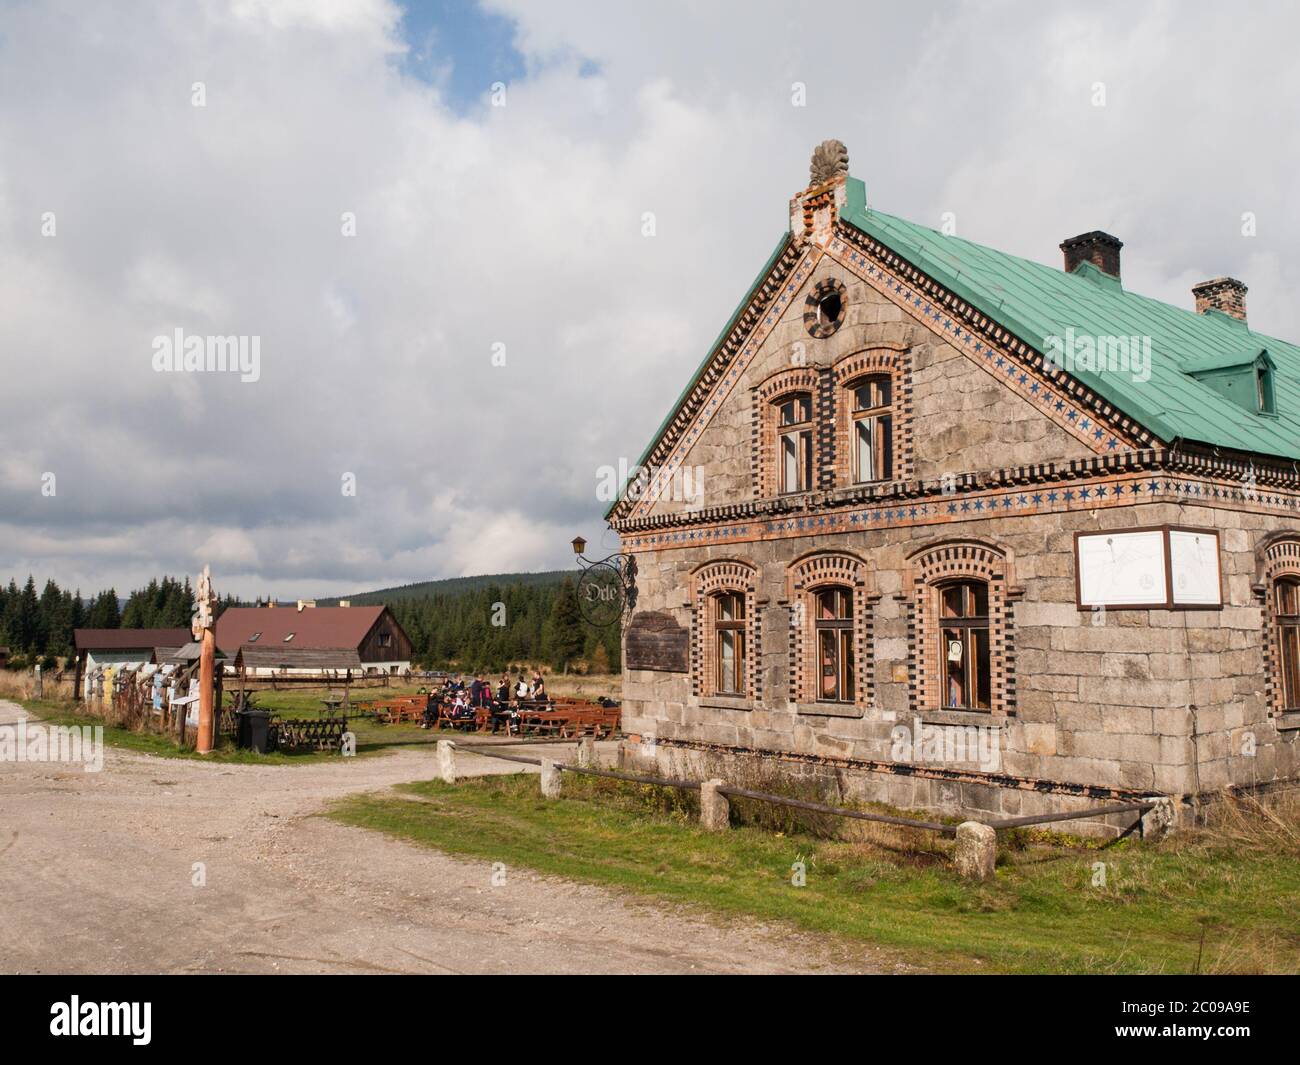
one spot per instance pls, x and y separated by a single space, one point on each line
397 711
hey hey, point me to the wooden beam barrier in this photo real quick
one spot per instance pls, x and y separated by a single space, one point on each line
1046 819
813 807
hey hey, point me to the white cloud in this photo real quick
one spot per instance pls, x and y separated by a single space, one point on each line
522 225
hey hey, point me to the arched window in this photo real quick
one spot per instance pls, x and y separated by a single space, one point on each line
873 432
833 623
1286 608
729 643
725 630
961 632
795 442
1279 585
963 620
872 413
830 632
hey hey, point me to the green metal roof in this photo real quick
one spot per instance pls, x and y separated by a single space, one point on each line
1036 301
1229 360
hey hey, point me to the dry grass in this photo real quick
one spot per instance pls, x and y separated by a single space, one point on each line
18 684
1245 823
590 686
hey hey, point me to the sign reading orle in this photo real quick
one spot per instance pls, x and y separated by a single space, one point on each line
607 590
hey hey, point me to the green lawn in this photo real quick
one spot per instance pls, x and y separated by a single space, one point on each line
372 738
1042 913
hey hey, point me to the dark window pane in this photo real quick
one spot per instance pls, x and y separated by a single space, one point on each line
846 664
1288 598
953 602
1289 640
884 448
982 669
954 654
828 664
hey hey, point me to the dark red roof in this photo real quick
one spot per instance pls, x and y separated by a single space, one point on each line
129 639
316 627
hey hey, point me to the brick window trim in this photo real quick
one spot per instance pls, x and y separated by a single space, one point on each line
890 360
708 580
766 397
1278 556
930 568
806 577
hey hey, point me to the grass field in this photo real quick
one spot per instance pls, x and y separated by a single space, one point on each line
1216 900
372 738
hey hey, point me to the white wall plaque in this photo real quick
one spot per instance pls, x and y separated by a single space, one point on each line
1122 569
1194 562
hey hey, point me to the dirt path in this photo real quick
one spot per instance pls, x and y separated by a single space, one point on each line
96 874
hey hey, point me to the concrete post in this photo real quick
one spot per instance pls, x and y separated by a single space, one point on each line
1159 820
447 761
38 686
977 851
587 752
550 779
715 810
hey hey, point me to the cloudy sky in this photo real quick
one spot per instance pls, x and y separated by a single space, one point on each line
512 225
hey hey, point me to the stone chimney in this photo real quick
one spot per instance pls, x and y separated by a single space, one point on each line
814 210
1098 248
1225 294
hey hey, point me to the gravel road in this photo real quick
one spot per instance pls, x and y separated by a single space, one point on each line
97 871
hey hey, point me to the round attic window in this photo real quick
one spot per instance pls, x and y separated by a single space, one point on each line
825 308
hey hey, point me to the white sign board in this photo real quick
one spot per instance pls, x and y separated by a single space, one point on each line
1194 562
1122 569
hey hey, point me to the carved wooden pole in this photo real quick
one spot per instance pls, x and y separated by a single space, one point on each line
202 629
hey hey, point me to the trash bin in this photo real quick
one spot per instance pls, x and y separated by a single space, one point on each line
253 728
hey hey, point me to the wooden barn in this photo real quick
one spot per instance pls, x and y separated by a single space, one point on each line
306 640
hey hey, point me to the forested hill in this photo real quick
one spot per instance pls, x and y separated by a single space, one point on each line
489 622
451 586
469 623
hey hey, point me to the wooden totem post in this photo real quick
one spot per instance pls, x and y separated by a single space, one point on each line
202 627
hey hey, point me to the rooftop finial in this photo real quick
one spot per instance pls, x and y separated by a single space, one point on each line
830 159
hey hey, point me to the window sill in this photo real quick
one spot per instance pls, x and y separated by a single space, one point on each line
827 709
1288 720
725 702
960 717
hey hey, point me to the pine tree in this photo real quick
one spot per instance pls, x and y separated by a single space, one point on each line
566 635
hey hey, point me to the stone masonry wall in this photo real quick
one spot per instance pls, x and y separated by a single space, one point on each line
1145 701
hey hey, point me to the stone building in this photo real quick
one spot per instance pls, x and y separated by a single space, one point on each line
957 531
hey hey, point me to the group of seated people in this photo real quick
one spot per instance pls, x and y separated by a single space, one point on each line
461 700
